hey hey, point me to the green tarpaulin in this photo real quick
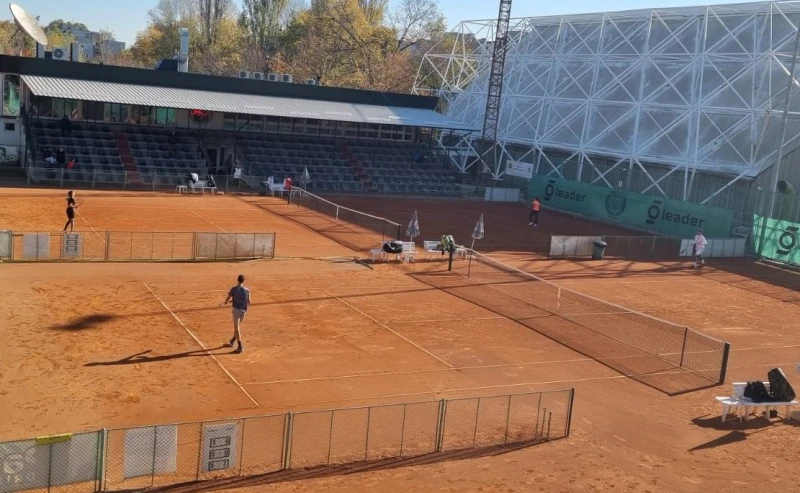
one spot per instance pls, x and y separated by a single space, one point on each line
776 239
664 216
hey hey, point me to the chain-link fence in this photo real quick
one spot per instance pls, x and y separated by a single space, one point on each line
71 463
143 457
134 246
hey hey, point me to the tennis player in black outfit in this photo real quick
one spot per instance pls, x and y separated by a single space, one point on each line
71 206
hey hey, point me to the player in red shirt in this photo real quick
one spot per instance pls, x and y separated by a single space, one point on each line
533 217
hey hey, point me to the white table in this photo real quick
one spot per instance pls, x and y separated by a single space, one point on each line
181 189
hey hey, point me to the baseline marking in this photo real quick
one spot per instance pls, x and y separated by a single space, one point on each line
202 345
389 329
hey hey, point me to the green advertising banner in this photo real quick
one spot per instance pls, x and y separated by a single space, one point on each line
665 216
776 239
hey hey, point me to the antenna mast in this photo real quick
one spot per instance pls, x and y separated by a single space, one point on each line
490 157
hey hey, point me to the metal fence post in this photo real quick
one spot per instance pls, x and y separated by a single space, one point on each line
508 418
403 430
155 449
101 459
366 442
194 245
538 411
49 466
683 349
241 447
477 416
330 439
287 440
440 425
724 371
130 255
569 411
108 244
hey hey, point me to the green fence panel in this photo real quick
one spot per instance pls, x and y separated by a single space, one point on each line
665 216
776 239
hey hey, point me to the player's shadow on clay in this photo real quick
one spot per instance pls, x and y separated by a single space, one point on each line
143 358
85 322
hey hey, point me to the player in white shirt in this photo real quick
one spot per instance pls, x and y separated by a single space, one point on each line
699 247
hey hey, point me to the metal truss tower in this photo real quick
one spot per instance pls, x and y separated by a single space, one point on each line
491 117
680 103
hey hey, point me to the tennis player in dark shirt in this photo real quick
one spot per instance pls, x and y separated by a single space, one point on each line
71 207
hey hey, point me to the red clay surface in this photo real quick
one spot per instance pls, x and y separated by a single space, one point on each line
327 332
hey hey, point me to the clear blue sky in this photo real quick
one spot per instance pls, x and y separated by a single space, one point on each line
125 17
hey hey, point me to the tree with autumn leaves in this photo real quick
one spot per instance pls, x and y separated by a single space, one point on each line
350 43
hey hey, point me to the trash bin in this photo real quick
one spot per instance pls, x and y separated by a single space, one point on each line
599 249
263 188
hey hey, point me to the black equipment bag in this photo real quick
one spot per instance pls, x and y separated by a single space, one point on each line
779 386
393 247
756 391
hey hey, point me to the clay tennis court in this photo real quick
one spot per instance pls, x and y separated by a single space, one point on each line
118 344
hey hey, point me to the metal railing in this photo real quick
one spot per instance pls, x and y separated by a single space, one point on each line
143 457
134 246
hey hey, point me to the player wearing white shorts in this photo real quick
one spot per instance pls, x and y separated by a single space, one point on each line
699 247
240 296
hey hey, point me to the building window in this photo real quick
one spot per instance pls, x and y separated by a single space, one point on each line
229 121
242 123
115 112
256 123
11 95
10 127
65 107
163 116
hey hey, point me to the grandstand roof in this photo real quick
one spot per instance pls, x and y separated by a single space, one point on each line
250 104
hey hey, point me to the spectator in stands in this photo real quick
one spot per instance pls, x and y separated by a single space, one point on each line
287 185
237 175
66 126
61 156
49 157
71 163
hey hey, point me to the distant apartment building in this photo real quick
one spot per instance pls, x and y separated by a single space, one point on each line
95 44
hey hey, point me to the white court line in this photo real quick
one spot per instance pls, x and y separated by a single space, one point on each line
462 368
389 329
90 227
206 220
488 387
202 346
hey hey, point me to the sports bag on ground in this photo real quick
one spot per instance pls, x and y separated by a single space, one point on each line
779 386
756 391
393 247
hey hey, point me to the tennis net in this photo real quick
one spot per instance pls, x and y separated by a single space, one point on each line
346 217
666 356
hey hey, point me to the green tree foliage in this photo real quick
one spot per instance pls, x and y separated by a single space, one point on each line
350 43
62 25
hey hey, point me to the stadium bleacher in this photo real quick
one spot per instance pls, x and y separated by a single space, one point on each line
339 166
164 156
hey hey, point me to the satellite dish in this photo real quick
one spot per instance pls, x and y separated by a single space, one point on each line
28 23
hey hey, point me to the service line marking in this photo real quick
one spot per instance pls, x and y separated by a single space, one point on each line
188 331
440 360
